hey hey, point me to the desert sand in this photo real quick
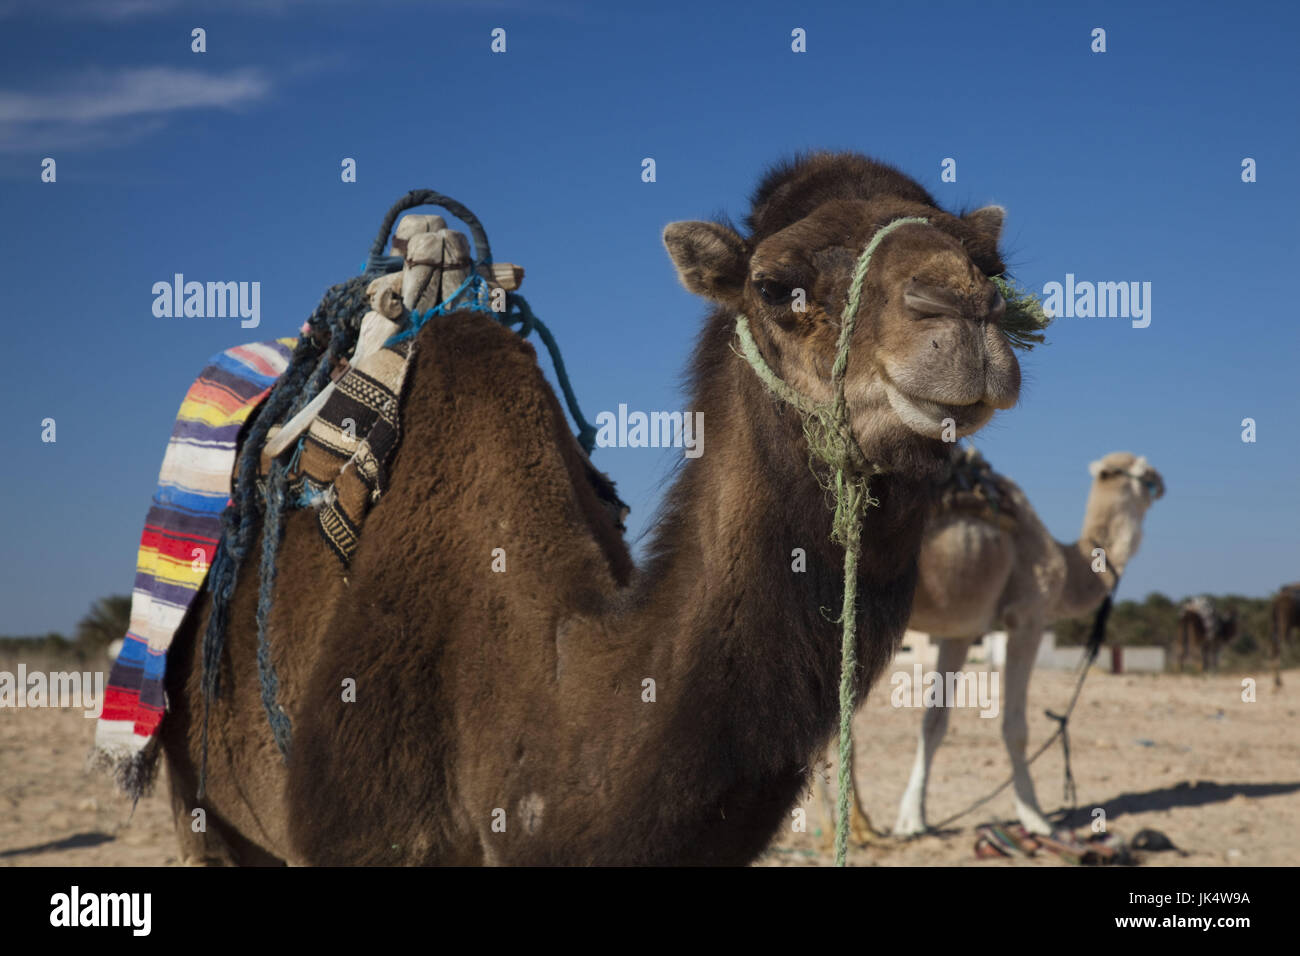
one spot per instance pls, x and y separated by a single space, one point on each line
1181 754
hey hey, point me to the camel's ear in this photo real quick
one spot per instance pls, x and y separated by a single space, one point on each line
710 259
987 222
1094 469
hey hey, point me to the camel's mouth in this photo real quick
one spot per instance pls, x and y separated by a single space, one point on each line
934 419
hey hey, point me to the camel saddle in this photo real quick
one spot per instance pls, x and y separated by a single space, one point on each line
973 488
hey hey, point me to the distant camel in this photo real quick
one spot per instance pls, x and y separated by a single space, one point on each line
987 559
1203 624
976 574
992 564
1285 614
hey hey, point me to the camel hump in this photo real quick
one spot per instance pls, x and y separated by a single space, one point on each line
469 372
471 354
474 336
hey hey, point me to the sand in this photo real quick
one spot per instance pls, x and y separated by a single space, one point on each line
1180 754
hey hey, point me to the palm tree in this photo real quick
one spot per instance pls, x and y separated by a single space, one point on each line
108 619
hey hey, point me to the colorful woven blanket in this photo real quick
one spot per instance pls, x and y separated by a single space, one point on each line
179 539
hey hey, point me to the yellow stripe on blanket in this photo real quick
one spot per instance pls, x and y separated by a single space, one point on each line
169 570
208 414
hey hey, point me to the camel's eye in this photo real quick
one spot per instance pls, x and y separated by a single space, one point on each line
774 291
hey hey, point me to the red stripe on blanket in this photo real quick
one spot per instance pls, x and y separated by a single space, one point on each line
156 531
177 548
212 393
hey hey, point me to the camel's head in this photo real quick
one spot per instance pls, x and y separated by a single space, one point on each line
1127 479
1123 487
927 362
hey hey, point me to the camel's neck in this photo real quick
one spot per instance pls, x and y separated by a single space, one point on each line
1115 530
738 602
1084 588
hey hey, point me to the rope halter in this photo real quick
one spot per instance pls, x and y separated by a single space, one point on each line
828 431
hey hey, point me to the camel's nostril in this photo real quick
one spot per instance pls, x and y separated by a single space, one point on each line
999 307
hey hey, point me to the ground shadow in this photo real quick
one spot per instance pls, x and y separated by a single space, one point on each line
75 842
1184 794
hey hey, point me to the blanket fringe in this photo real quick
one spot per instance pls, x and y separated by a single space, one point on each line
134 772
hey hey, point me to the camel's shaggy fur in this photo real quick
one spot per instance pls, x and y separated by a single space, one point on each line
507 717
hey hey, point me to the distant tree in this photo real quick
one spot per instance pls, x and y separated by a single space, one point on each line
1158 603
108 619
1154 622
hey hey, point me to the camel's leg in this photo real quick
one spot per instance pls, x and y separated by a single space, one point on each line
1281 633
200 844
861 832
934 723
828 803
205 840
1184 638
1022 648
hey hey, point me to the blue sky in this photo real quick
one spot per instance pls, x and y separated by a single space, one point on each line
1118 166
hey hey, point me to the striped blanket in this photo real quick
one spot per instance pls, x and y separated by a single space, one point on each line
179 539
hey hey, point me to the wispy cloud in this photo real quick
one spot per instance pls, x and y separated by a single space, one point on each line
97 106
134 92
89 9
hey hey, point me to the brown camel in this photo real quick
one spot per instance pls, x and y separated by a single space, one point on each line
1285 615
574 709
1202 624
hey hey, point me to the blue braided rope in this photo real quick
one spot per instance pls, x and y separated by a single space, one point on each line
272 531
519 312
475 283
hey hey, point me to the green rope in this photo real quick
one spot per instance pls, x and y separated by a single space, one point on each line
827 429
830 439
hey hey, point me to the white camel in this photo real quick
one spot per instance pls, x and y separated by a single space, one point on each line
985 567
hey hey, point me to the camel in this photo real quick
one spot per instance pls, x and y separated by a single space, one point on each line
979 570
575 709
1284 613
1202 624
